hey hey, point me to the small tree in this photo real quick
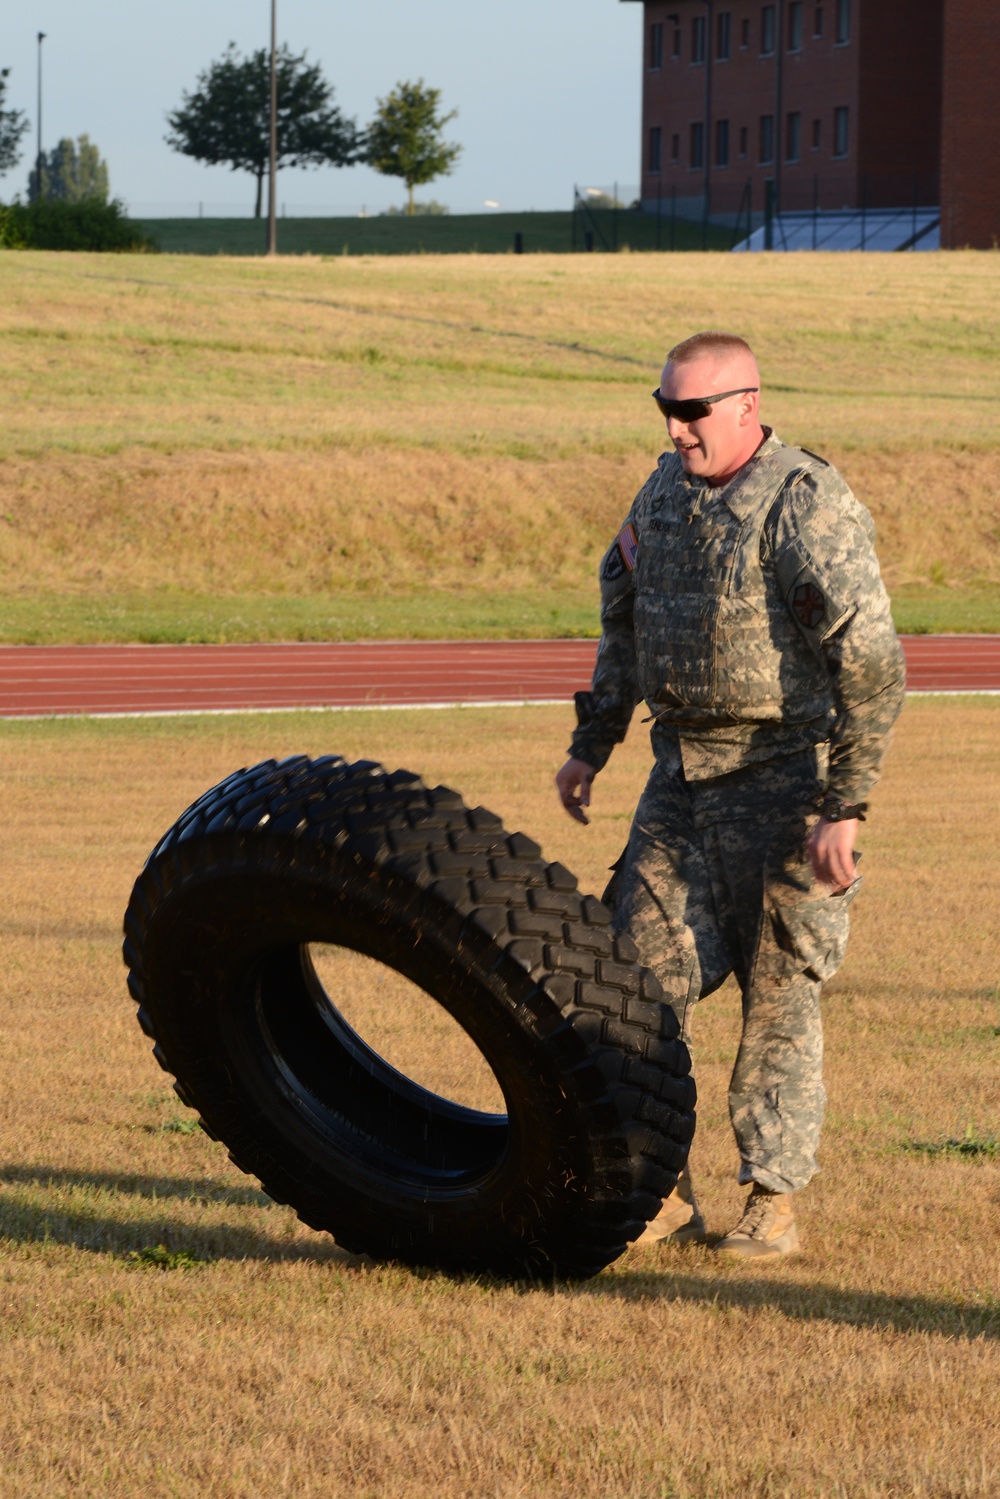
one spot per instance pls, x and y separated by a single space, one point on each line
404 139
72 173
12 126
227 120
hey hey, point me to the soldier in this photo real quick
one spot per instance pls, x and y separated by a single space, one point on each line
742 600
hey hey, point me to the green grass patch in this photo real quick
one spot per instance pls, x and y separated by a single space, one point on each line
159 1257
171 618
946 611
444 234
973 1144
178 1127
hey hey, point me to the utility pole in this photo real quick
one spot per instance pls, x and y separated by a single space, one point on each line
779 131
38 158
272 190
709 50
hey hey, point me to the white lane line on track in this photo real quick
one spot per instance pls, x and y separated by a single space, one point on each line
506 702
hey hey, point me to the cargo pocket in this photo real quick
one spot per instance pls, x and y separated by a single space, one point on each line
609 896
807 922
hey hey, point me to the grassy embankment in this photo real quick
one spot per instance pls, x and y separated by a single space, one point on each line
432 234
168 1331
199 449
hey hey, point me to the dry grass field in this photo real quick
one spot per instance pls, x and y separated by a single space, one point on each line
167 1331
228 448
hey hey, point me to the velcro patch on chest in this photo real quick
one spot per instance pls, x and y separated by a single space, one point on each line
808 605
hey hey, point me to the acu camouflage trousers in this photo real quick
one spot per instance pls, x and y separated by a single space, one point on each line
715 880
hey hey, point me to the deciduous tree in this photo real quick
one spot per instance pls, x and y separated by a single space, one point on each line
12 127
69 174
226 120
404 139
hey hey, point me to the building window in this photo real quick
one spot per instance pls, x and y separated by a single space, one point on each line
817 134
795 26
656 46
765 154
655 140
767 29
697 146
818 22
744 140
843 22
677 43
722 30
698 39
722 143
675 148
840 136
793 135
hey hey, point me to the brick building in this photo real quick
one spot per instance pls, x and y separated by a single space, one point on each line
837 102
970 144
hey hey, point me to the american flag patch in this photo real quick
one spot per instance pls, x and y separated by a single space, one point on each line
628 544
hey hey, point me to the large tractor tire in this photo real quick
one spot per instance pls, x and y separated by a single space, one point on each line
596 1082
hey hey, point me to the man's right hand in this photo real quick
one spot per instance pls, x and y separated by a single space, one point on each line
573 784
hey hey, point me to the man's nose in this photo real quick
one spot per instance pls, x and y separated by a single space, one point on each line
677 429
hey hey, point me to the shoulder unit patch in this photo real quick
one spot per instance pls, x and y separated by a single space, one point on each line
628 544
620 555
613 566
808 605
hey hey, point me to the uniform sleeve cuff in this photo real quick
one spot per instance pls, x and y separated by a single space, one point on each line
583 749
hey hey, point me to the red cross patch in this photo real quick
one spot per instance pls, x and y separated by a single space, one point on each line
809 605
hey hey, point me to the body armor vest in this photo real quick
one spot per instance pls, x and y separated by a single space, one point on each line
715 640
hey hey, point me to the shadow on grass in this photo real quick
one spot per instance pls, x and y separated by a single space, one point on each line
742 1287
806 1301
27 1222
188 1189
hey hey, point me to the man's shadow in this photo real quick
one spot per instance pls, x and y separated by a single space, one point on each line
814 1301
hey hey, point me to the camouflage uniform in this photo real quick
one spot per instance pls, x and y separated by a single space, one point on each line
752 619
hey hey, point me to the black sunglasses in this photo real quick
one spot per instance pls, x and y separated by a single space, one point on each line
696 410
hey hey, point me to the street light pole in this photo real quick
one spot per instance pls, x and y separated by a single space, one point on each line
272 188
38 158
707 187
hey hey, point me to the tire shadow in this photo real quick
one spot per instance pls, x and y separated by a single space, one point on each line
99 1232
814 1301
202 1189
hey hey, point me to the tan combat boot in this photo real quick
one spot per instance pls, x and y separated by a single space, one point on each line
766 1228
679 1219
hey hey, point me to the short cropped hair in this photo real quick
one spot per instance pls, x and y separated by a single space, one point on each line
708 343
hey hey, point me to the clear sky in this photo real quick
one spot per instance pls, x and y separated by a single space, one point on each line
548 91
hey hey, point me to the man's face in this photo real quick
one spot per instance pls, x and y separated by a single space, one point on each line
717 443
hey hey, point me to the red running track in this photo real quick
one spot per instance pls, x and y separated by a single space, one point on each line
39 681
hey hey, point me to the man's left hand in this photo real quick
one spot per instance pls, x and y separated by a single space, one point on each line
831 852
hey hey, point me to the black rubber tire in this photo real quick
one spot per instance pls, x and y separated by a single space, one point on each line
597 1086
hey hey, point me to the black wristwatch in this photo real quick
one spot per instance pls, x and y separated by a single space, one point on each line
834 810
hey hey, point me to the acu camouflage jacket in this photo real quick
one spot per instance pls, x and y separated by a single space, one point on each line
752 619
